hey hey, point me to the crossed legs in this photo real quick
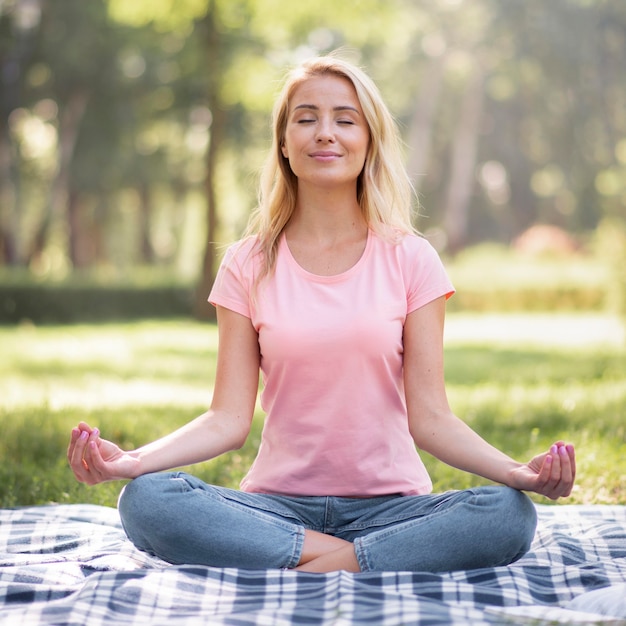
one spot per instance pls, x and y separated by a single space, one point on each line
181 519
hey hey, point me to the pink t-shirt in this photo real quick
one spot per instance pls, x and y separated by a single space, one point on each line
331 362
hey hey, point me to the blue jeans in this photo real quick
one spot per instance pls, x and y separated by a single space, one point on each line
181 519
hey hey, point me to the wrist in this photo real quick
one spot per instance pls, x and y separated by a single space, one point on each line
514 477
138 466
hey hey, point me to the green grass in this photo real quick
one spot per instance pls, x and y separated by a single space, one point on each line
522 381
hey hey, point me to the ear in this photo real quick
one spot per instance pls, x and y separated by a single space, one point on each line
283 149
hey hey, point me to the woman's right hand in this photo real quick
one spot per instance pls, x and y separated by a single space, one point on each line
94 460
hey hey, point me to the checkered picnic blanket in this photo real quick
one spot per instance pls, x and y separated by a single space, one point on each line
72 565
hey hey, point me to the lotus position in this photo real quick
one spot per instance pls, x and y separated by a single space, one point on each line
338 304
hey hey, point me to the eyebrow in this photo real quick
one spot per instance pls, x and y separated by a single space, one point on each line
314 107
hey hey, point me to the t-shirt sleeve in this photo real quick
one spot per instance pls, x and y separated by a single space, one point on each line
425 273
232 285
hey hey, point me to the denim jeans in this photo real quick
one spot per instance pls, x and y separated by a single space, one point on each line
181 519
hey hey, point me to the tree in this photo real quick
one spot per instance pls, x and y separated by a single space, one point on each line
17 41
115 114
238 39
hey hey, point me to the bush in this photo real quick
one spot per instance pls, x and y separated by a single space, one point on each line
495 278
610 245
488 277
53 303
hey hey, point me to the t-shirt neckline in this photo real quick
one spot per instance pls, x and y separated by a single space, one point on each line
322 278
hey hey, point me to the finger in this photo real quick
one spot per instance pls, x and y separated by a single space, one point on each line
79 446
561 482
76 433
568 470
87 473
91 453
547 468
94 435
78 452
91 444
94 458
95 462
556 472
572 458
555 475
80 437
70 448
549 474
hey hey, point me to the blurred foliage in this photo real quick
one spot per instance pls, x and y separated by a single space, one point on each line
131 132
494 277
610 245
72 303
488 277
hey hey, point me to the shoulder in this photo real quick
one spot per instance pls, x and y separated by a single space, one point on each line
245 248
413 242
235 278
242 254
239 265
406 247
418 265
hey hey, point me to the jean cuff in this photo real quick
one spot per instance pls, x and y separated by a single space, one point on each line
297 549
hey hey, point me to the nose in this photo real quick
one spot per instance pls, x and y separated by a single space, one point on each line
324 132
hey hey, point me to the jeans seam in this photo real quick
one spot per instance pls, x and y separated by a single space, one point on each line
361 555
413 521
395 529
240 506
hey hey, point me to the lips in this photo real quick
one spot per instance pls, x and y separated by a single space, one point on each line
325 155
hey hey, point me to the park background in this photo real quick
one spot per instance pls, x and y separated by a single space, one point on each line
131 136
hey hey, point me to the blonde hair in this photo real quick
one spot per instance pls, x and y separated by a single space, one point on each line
384 191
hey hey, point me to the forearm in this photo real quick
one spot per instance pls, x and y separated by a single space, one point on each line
211 434
439 432
453 442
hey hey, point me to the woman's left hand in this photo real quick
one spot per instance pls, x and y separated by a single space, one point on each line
550 474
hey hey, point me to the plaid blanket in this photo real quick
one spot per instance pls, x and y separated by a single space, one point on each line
72 565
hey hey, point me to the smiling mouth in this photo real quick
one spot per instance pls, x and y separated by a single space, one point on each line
325 155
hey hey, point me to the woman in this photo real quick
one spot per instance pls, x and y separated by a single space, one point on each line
340 305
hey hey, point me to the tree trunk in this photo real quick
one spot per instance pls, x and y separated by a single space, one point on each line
98 230
201 308
145 222
14 57
9 222
69 127
420 130
75 230
81 242
464 149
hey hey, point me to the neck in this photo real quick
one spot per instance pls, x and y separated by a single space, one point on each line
324 215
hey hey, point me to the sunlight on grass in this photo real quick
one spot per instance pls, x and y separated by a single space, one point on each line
147 363
522 381
565 330
95 392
